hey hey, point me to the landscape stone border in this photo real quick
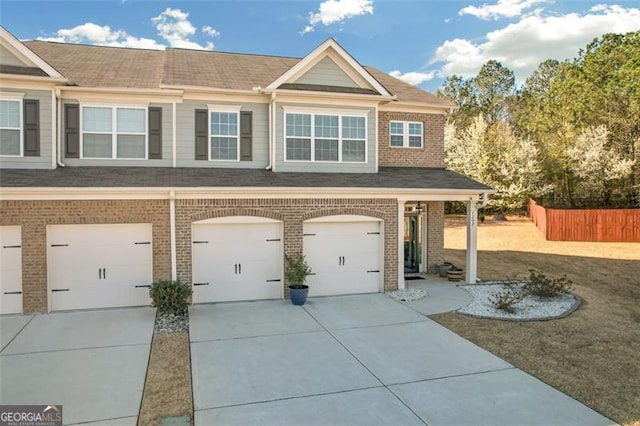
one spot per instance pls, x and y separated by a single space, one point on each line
577 301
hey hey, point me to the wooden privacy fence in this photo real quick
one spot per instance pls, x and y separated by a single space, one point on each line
612 225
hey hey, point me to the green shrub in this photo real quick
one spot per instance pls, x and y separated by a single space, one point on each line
170 296
296 271
542 285
506 300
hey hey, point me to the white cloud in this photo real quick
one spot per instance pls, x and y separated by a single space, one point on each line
502 9
91 33
522 45
210 31
413 78
334 11
172 25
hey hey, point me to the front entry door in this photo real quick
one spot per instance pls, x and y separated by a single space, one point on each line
412 243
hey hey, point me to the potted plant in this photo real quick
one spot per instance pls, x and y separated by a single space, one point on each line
296 272
454 274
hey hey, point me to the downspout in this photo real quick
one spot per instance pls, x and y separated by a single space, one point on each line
172 229
272 132
57 154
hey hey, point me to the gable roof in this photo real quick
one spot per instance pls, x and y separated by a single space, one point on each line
318 54
33 64
116 67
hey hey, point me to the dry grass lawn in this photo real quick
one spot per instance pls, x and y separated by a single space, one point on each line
167 390
593 354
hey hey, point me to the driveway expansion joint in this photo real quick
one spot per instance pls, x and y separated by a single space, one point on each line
77 349
16 335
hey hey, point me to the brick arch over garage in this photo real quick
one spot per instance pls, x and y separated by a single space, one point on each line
239 211
343 211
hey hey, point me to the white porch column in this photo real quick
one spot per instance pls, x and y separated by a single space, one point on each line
400 244
472 242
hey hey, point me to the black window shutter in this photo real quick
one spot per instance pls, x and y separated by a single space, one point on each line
246 134
202 135
31 127
155 133
72 131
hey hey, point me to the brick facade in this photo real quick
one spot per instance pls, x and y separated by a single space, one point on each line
435 235
34 216
293 212
430 155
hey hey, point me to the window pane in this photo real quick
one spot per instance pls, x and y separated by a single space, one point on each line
415 141
130 146
326 150
10 114
96 119
298 149
224 124
397 128
353 127
415 128
326 126
396 140
97 146
131 120
299 125
353 150
9 142
224 148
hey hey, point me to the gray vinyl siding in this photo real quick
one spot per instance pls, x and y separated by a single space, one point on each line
167 143
326 72
309 166
186 135
8 58
44 161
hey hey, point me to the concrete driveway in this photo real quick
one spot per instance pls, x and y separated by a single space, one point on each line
93 363
363 359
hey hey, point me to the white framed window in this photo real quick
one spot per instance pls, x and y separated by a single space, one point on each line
325 137
11 128
113 132
405 134
224 140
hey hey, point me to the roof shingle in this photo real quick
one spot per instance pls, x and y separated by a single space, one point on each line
100 66
133 177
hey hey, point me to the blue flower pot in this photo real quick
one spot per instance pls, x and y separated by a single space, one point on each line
298 294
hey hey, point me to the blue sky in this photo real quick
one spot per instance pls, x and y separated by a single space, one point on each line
421 41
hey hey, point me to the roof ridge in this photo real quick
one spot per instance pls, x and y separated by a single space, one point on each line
99 46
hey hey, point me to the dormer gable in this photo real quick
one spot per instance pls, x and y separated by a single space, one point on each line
18 59
329 67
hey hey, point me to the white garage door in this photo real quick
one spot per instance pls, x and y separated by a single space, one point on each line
344 253
99 266
237 258
10 270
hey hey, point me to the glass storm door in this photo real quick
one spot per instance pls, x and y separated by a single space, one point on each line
412 243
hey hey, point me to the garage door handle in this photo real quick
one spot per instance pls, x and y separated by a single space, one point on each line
19 292
59 245
99 273
104 273
201 242
53 290
143 242
273 281
200 283
143 286
11 246
239 268
373 233
374 271
272 240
